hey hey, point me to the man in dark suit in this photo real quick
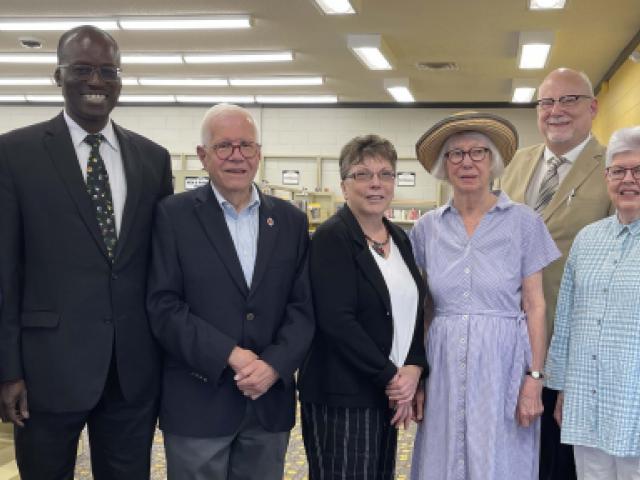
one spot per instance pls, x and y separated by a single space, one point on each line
77 195
229 300
566 109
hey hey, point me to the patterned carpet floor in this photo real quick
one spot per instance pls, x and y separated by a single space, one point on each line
295 467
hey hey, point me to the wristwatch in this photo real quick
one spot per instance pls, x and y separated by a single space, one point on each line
536 374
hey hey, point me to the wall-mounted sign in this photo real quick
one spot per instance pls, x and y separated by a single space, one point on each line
194 182
291 177
406 179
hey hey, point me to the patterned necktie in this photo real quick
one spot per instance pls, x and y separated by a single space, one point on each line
549 183
99 190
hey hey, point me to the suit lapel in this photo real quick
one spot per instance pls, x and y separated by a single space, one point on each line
365 259
268 228
57 142
211 218
133 176
587 161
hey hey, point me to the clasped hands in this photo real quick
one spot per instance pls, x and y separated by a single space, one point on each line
253 376
401 391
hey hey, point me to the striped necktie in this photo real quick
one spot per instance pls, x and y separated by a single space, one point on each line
99 190
549 183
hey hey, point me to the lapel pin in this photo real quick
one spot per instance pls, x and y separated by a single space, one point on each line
270 221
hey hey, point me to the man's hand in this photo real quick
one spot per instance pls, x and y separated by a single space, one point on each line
256 378
403 385
240 358
557 411
13 402
529 405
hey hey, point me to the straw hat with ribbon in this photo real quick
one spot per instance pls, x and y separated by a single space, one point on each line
501 132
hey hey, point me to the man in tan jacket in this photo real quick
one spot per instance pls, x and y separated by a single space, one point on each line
563 180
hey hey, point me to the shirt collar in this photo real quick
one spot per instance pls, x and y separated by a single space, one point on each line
78 134
503 203
254 201
619 228
572 155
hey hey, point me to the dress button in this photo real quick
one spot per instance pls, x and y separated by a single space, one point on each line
593 357
465 317
615 261
463 340
605 290
467 270
593 391
250 316
465 294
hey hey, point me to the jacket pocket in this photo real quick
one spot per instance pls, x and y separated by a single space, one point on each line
39 320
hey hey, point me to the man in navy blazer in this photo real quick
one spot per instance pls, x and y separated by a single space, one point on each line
75 344
229 301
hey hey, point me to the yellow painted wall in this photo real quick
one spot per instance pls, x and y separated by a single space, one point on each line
619 102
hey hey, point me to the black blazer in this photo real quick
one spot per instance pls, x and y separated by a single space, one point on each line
348 364
64 303
200 308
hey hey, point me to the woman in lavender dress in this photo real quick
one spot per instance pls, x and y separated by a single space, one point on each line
482 255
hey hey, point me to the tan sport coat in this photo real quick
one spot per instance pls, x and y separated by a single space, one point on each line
581 199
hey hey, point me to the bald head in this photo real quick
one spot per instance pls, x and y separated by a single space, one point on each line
84 34
566 125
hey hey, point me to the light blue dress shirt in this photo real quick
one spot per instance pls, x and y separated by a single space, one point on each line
594 355
243 227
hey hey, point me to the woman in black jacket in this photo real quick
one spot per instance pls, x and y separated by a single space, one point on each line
367 356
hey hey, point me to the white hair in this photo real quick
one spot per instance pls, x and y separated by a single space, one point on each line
219 110
623 140
497 164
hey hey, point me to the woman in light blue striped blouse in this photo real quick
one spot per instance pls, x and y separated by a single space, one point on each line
594 357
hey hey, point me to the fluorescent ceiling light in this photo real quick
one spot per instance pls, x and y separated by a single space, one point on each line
147 99
523 94
534 48
398 88
370 50
26 81
55 24
12 98
336 7
296 99
185 23
152 58
128 81
238 57
275 81
29 58
187 82
210 99
45 98
546 4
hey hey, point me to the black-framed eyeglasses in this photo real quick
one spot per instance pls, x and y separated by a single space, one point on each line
566 101
365 176
477 154
80 71
618 173
224 150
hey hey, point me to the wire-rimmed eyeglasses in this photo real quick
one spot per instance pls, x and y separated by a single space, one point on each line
224 150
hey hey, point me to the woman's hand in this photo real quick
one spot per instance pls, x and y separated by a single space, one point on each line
402 416
418 403
402 386
529 401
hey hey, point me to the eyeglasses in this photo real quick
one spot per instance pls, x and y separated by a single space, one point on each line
84 72
365 176
618 173
224 150
566 101
477 154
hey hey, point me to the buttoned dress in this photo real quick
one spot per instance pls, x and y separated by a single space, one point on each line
594 355
477 344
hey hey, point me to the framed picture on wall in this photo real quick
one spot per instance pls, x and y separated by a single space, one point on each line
291 177
406 179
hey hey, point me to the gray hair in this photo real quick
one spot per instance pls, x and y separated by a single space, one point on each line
218 110
497 163
623 140
365 146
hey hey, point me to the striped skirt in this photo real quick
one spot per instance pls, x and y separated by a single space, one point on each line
348 443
